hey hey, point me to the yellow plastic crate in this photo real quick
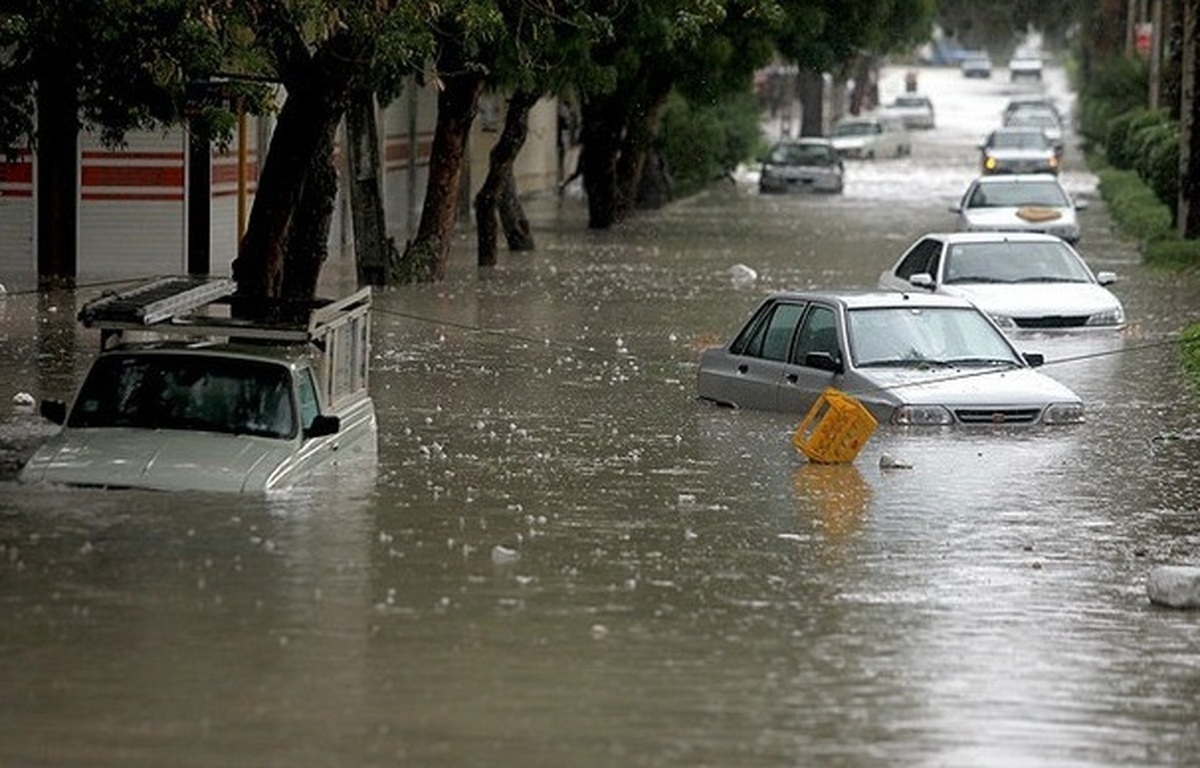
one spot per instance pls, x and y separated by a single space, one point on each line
835 429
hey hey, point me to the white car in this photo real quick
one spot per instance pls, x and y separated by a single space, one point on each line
1023 281
871 136
1019 203
1025 66
807 164
911 358
914 111
276 407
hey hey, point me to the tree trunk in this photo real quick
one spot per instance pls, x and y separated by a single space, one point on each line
307 244
600 136
642 128
1188 210
500 173
426 256
308 117
366 197
812 103
517 231
57 166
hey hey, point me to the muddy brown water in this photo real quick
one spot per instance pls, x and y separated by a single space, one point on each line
562 558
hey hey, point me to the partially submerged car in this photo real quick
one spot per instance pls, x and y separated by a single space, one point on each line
211 402
1023 281
1025 66
915 111
911 358
1019 150
867 137
1019 203
977 64
802 165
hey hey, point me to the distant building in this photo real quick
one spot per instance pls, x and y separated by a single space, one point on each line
133 208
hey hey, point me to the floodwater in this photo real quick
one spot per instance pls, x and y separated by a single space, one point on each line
562 558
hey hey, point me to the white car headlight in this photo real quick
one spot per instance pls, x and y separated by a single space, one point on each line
1111 317
922 415
1063 413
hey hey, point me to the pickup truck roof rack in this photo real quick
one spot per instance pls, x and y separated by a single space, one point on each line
182 306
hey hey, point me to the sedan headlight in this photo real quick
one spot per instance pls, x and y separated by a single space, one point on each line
922 415
1063 413
1111 317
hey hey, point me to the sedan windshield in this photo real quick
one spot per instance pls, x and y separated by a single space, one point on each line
1013 262
187 392
926 336
803 154
1015 194
1018 140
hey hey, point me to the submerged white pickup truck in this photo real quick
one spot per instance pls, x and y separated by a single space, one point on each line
201 400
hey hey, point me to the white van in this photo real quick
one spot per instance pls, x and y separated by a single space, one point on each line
871 136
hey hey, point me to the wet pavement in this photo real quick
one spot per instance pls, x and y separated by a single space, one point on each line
563 558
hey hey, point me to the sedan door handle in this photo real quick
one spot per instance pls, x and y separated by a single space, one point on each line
743 368
792 378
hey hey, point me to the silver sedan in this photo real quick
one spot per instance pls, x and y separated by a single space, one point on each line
910 358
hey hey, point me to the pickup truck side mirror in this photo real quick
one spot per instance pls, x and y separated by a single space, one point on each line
54 410
323 425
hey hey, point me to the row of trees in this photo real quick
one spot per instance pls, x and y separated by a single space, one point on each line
116 65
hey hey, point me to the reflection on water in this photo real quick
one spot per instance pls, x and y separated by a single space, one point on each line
675 584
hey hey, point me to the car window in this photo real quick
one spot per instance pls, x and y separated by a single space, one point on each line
307 394
769 335
818 334
1009 194
187 392
923 257
899 336
1014 262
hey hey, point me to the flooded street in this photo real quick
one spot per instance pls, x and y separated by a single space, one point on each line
562 558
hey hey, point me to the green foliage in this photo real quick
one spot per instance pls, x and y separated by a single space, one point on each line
1173 253
1112 87
1133 205
1147 141
703 143
1189 352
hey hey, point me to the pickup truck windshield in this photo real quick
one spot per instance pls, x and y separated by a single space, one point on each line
187 392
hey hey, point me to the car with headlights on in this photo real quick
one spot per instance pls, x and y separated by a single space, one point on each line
1019 203
181 400
1023 281
1045 120
1019 150
910 357
807 164
870 136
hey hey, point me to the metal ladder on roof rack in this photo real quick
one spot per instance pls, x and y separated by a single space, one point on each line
156 301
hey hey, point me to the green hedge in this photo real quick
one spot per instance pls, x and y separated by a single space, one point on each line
1134 207
703 142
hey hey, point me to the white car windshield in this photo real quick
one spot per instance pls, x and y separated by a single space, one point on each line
926 336
803 154
187 392
1013 262
1015 194
855 129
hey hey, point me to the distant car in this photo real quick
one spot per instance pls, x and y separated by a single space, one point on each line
1019 203
910 357
1031 103
1023 281
1018 150
976 65
1024 67
871 136
277 407
913 110
804 164
1044 119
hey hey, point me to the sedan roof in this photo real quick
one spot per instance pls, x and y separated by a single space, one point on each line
873 298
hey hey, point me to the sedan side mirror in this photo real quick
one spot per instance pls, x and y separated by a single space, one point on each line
923 280
323 425
1034 359
1080 205
1106 277
823 361
54 410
